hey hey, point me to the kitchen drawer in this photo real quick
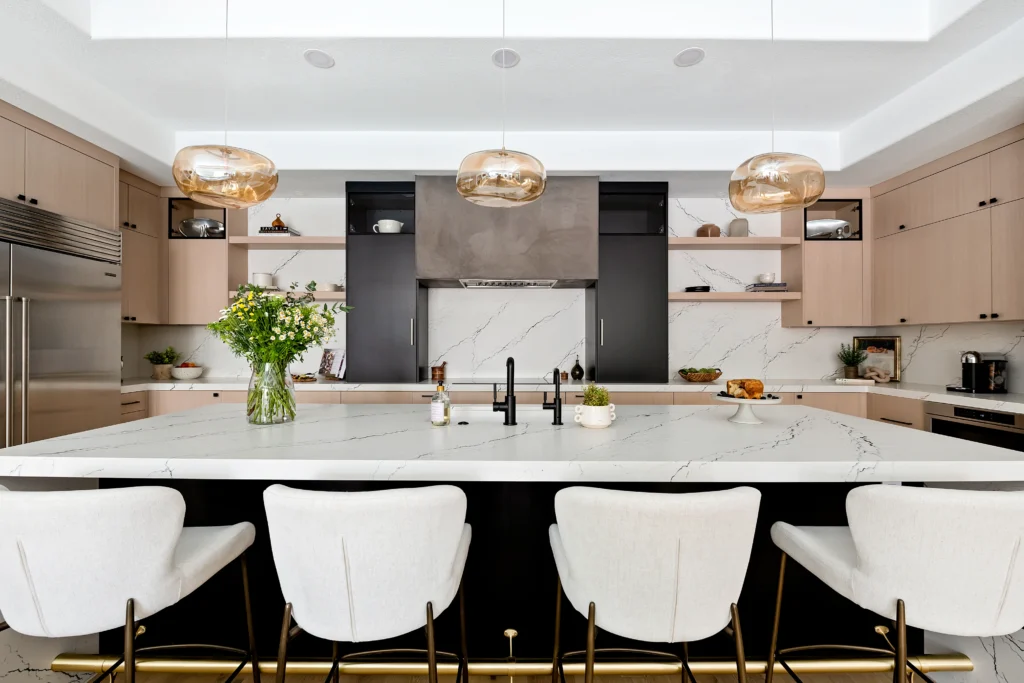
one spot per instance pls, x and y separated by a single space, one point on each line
164 402
132 417
321 397
523 398
386 397
135 402
629 398
904 412
847 403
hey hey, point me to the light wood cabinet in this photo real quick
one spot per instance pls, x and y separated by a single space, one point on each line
948 270
904 412
695 398
122 204
954 192
164 402
65 181
892 212
847 403
144 211
134 406
1007 257
385 397
1007 167
890 294
197 290
140 290
833 284
627 398
12 160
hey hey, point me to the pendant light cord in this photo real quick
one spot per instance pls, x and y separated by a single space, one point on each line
773 62
504 68
227 5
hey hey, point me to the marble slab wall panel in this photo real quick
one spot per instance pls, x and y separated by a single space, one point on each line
931 353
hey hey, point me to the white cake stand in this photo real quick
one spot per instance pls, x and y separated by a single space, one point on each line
745 408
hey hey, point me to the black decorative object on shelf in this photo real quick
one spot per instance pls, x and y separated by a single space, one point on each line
577 370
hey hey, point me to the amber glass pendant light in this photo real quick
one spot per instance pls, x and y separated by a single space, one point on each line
221 175
776 181
501 178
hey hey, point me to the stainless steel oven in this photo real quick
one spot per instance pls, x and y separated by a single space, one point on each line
992 427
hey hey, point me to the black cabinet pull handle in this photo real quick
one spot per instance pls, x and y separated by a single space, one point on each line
216 395
993 200
33 201
131 403
126 224
810 322
903 227
898 422
21 197
426 396
903 320
982 316
995 315
134 226
127 318
982 203
133 318
799 397
579 395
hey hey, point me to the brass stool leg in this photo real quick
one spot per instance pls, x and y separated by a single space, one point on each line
282 644
462 633
558 629
770 669
431 648
741 656
253 657
129 642
899 670
588 675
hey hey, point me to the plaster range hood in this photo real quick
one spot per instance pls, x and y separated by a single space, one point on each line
549 243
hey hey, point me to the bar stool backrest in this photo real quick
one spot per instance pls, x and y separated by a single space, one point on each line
953 556
363 566
70 560
659 567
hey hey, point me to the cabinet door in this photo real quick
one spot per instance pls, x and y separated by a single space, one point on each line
1007 249
892 212
890 295
164 402
905 412
632 309
833 283
12 160
122 205
847 403
956 191
143 212
140 258
197 276
949 270
381 334
68 182
1007 165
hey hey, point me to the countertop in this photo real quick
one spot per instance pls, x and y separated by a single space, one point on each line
1011 403
397 442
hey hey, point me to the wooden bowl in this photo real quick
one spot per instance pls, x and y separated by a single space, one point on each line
701 376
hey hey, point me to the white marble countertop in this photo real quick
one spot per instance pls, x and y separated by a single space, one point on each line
397 442
1011 403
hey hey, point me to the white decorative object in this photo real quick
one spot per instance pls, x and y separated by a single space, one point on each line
388 226
187 373
595 417
745 408
766 278
264 280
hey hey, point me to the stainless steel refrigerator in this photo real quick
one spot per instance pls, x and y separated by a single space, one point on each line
60 329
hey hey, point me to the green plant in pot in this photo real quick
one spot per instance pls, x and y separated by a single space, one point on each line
596 411
162 362
271 331
850 357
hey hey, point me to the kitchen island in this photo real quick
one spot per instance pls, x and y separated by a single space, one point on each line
802 459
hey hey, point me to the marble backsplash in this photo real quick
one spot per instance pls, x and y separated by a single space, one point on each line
475 331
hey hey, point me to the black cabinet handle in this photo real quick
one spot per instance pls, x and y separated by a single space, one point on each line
810 322
995 315
898 422
134 226
903 227
993 200
982 316
127 318
133 318
426 396
33 201
125 224
799 397
903 320
21 197
216 395
579 395
982 203
131 403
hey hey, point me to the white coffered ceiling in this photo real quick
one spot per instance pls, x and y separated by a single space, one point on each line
870 88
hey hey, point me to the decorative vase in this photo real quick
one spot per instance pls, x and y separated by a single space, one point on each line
271 397
577 370
595 417
850 372
162 371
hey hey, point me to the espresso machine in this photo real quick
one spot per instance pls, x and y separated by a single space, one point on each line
982 373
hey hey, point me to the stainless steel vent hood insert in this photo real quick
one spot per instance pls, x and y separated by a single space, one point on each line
507 284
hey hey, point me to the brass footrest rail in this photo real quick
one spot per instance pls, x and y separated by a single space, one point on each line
79 663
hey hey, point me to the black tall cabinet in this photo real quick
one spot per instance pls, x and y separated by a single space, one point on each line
627 310
386 330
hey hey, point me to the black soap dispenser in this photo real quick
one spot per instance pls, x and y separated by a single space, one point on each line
577 370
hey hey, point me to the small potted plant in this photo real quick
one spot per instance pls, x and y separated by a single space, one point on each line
162 362
850 357
596 412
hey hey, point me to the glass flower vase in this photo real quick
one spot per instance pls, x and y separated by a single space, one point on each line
271 397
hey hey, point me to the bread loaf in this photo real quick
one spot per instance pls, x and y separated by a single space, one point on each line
745 388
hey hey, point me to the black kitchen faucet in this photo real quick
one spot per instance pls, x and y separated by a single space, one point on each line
508 406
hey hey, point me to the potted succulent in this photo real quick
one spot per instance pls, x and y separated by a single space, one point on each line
596 412
162 362
850 357
271 331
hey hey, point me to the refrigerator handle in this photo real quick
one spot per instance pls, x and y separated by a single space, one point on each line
8 372
24 369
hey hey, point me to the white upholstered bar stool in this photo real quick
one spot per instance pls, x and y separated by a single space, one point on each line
75 563
938 559
661 568
357 567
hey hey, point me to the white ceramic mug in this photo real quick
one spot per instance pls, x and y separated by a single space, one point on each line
766 278
595 417
263 280
388 226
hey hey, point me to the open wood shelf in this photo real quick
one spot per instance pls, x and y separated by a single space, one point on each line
292 242
318 296
721 243
733 296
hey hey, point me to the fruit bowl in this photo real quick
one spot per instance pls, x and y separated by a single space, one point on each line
700 376
187 373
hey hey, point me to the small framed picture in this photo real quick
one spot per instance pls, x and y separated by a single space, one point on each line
332 364
883 353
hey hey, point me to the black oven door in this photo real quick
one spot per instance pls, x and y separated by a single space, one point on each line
992 435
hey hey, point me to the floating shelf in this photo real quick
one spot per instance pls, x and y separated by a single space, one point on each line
318 296
733 296
292 242
721 243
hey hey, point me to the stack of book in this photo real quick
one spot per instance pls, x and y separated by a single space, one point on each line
772 287
274 230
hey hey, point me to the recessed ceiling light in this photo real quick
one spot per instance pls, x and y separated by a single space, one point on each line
505 58
691 56
319 58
